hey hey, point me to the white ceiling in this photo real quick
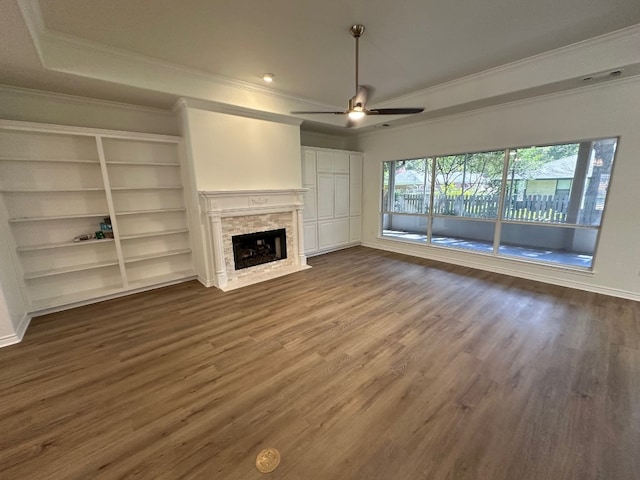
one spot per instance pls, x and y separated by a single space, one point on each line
408 46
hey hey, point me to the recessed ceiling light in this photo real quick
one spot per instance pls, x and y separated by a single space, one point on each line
268 77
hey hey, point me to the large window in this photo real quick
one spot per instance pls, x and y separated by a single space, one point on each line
541 203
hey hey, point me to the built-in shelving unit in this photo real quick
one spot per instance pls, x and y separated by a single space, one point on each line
58 183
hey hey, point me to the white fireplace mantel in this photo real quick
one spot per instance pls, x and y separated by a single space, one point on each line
216 206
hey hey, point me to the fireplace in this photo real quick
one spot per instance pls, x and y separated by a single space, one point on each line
257 248
240 226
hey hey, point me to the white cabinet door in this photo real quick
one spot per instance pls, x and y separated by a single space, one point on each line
355 200
340 162
333 233
308 167
325 196
324 162
355 229
310 205
341 232
310 237
341 208
325 234
355 169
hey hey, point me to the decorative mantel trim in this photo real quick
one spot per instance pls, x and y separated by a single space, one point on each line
216 205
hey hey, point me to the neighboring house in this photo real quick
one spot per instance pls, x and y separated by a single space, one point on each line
553 178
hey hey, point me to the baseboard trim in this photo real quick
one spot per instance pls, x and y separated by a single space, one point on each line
563 282
20 331
205 282
123 293
332 249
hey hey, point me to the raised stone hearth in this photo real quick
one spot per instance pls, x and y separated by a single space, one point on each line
233 213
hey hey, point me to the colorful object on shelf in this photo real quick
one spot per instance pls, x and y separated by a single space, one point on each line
81 238
106 227
99 234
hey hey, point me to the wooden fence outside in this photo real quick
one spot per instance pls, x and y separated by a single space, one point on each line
532 208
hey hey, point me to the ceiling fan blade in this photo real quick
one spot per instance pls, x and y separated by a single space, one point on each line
395 111
327 113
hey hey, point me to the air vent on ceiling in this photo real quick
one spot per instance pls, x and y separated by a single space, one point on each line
609 75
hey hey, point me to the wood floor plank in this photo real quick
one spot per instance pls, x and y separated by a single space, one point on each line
371 365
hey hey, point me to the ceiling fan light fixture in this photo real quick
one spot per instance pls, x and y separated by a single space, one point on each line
268 77
356 114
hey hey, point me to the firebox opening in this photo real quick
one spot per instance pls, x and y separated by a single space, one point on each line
257 248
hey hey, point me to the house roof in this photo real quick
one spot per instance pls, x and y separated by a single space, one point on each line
562 168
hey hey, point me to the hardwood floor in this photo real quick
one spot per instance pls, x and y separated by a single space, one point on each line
370 365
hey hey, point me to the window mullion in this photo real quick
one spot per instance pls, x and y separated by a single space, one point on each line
579 181
503 194
431 199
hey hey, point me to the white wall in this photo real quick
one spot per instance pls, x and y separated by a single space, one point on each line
606 110
45 107
13 308
325 140
230 152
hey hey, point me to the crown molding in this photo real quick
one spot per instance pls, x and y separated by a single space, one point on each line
76 99
631 33
41 35
219 107
60 37
514 103
30 10
85 131
72 55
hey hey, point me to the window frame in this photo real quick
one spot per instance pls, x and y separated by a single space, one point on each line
500 219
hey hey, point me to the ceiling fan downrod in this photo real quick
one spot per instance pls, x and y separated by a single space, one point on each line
356 32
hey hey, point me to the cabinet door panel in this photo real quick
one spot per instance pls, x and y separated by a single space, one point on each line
324 162
310 206
341 232
355 229
308 167
325 196
310 237
355 169
340 162
325 234
341 208
355 200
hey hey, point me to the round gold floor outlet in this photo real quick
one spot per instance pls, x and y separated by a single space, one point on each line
267 460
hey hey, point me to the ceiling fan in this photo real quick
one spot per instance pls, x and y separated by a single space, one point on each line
358 103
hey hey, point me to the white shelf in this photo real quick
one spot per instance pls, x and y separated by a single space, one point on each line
145 164
159 210
58 217
47 246
151 256
153 234
71 269
75 297
172 187
56 190
160 279
49 160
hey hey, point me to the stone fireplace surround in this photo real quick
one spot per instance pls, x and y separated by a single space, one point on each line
239 212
